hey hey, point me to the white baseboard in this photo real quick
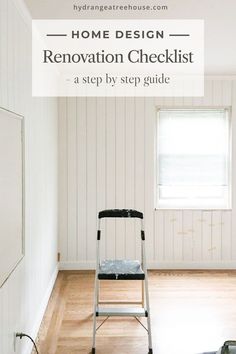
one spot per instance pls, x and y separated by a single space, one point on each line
86 265
41 311
157 265
193 265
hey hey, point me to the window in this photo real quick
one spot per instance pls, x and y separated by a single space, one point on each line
193 158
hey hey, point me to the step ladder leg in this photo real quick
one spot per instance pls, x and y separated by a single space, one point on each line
148 317
143 293
94 313
96 292
143 254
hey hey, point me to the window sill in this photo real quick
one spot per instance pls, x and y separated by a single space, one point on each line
192 208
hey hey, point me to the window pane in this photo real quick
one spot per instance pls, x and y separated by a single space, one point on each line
193 156
193 170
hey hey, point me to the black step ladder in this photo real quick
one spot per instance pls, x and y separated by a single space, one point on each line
122 270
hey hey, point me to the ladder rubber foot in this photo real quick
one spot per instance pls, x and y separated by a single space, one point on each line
150 351
93 351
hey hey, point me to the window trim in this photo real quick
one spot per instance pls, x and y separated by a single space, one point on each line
228 109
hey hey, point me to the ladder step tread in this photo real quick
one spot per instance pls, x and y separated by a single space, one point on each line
121 270
126 311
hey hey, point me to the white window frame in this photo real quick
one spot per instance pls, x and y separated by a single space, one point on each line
228 109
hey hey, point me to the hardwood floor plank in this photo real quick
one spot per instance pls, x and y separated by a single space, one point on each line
191 312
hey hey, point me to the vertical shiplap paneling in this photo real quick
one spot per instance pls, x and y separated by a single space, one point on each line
130 173
149 192
178 234
63 182
13 322
120 176
207 100
126 150
101 166
167 102
91 176
158 102
168 235
178 101
72 178
11 55
216 235
188 231
226 222
226 235
233 240
158 248
158 215
16 49
82 178
217 93
197 101
111 175
2 341
24 64
207 247
139 157
187 101
23 295
17 63
197 235
3 54
227 93
5 318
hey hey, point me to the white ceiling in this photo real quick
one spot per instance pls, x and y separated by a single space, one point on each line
219 16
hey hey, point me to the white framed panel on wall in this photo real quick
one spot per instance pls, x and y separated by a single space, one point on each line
11 192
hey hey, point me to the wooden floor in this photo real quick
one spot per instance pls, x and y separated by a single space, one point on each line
191 312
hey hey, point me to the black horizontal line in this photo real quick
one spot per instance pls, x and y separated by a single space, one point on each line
56 35
179 35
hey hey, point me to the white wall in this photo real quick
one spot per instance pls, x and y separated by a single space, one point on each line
24 296
107 161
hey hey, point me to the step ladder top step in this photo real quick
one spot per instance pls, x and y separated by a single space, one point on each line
120 269
120 213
